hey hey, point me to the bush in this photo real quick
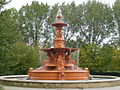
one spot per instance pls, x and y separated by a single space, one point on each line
96 58
19 59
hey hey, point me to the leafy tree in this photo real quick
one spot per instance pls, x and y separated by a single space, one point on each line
96 58
106 52
88 23
50 31
3 3
20 58
9 33
89 57
13 52
95 22
70 14
32 20
115 64
116 9
9 27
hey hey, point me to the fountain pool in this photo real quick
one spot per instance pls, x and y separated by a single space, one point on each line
98 81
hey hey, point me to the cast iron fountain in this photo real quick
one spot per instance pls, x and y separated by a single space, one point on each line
58 71
59 65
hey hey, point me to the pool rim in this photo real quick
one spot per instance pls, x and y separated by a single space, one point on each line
111 81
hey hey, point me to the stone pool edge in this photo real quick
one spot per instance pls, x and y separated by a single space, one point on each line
5 81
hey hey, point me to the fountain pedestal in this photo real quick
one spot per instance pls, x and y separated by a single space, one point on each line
59 65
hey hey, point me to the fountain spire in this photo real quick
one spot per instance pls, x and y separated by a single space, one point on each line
59 15
59 42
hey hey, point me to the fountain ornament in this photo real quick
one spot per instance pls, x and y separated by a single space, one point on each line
59 65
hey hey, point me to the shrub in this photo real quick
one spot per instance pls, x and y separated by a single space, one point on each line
20 58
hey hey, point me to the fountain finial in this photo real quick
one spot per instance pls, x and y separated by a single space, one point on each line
59 15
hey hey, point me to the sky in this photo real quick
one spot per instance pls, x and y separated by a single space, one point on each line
19 3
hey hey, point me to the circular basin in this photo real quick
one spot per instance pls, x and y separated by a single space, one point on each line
97 82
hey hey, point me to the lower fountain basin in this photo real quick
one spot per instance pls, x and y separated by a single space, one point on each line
36 74
97 82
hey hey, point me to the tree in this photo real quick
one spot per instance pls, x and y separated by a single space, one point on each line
95 22
32 20
88 23
13 52
9 27
3 3
50 31
116 9
97 59
89 57
9 33
106 52
115 64
70 14
19 59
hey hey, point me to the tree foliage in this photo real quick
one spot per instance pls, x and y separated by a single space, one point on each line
116 58
116 10
32 20
88 23
96 58
20 58
96 22
8 32
13 54
3 3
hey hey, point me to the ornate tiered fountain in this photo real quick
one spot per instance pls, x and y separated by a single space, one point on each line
59 65
58 71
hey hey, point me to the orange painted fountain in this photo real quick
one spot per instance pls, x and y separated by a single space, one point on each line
59 71
59 65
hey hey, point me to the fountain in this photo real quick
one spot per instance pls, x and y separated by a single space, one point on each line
59 65
58 71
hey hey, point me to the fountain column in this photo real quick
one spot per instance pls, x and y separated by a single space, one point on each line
59 42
